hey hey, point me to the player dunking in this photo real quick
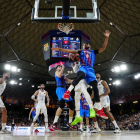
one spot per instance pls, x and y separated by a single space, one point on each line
105 101
60 90
3 81
41 95
33 112
87 60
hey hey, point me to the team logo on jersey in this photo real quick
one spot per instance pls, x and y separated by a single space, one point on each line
46 47
87 56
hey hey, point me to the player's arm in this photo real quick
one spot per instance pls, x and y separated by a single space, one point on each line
30 113
106 34
64 50
1 80
59 74
35 94
48 99
68 80
104 83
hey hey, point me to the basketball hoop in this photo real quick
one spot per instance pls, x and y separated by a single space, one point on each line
65 27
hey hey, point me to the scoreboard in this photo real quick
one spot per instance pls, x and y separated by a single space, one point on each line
72 43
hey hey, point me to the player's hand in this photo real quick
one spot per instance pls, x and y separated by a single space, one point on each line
101 96
47 104
29 119
36 101
107 33
56 49
70 55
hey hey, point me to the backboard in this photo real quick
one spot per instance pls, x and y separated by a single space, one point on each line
66 13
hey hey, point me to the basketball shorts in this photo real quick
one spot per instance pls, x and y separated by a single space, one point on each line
84 112
41 107
105 101
89 73
1 103
60 92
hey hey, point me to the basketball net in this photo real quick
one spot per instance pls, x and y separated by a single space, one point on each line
65 27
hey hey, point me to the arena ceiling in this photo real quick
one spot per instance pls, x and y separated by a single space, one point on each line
21 45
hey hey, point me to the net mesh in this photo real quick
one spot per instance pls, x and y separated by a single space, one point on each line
65 27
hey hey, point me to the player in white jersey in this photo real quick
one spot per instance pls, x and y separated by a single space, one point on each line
3 81
41 95
81 87
105 101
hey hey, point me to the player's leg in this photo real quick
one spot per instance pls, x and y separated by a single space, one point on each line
81 125
4 118
86 113
35 118
58 112
80 76
44 111
96 128
109 114
88 99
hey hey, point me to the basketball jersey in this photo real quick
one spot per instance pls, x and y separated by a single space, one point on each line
2 87
87 57
101 88
41 96
82 102
61 82
34 111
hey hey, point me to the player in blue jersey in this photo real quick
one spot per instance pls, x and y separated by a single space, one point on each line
60 90
33 112
84 112
86 71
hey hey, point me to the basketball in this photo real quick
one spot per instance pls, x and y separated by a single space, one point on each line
75 57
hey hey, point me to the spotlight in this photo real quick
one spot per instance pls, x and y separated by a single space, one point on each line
20 78
20 84
110 79
33 86
18 70
111 23
117 69
123 67
117 82
15 83
135 102
13 68
120 104
110 84
7 67
114 83
12 82
112 70
38 86
136 76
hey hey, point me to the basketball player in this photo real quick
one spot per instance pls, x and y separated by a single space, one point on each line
105 101
3 81
60 90
41 95
84 111
87 60
33 112
79 88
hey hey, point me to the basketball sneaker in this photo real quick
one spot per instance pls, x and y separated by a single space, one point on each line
71 126
80 129
101 114
36 130
54 127
92 113
117 130
5 131
66 95
96 130
76 120
31 128
47 130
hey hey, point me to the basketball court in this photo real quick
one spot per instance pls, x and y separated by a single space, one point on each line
105 135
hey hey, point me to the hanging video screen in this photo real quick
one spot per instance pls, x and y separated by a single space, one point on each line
72 43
